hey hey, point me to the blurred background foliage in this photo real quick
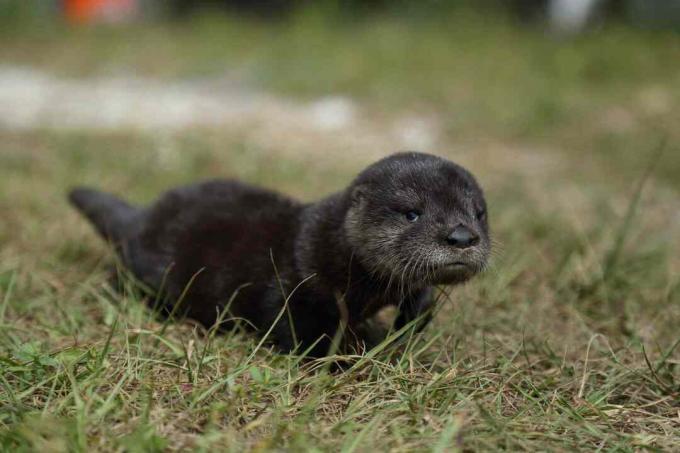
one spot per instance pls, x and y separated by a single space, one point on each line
578 13
498 69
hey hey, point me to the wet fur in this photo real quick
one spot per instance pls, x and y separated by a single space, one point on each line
303 270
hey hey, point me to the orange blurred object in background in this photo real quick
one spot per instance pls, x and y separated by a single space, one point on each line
87 11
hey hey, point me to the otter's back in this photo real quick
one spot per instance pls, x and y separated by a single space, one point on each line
215 237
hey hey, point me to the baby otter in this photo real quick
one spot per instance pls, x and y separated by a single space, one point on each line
224 251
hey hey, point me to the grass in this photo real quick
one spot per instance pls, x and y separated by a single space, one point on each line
570 341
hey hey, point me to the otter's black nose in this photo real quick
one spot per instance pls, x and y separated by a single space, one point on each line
462 237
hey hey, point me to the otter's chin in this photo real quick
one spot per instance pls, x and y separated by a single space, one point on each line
453 273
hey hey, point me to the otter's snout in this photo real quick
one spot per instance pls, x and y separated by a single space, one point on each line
462 237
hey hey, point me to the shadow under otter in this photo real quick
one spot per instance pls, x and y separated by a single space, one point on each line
304 272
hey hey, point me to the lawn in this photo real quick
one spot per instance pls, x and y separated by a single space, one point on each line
570 341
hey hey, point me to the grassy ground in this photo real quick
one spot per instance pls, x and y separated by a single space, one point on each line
570 341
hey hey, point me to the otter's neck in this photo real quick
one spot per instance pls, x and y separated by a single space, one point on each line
322 248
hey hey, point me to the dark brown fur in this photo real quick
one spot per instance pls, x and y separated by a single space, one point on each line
336 262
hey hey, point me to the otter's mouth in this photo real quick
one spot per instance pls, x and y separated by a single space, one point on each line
456 265
454 272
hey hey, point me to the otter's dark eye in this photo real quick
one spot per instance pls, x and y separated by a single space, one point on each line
412 216
481 214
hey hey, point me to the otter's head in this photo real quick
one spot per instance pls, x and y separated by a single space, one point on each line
418 219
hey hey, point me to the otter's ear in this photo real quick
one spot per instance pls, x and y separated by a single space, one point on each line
358 195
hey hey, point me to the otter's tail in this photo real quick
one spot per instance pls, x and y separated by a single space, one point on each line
113 218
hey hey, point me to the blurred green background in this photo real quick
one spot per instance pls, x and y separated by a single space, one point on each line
484 70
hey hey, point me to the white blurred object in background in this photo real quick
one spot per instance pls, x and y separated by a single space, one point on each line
570 16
